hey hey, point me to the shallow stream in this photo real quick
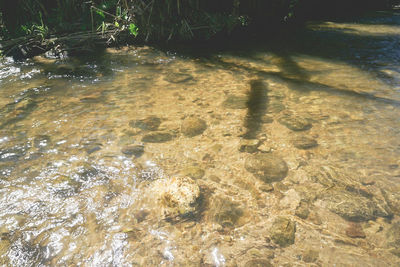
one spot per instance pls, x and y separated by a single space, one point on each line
286 154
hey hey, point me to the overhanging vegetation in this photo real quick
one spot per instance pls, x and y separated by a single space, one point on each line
39 25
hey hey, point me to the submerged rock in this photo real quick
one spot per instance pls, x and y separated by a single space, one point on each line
5 245
178 77
258 263
226 212
310 255
393 199
393 238
267 167
304 142
267 119
17 110
126 139
91 145
249 145
12 154
41 141
87 172
133 150
275 107
157 137
194 172
295 123
302 210
92 148
353 207
354 230
283 231
66 186
267 188
235 102
193 126
332 176
92 99
177 196
150 123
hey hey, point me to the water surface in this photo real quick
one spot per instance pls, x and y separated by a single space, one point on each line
90 146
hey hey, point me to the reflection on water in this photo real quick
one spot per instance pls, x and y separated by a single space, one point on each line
283 154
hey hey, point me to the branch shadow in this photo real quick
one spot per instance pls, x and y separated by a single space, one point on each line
256 108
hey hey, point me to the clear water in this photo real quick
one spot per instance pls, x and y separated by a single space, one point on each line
326 101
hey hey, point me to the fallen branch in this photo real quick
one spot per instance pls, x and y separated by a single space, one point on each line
33 45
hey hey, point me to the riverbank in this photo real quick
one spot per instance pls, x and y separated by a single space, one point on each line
29 28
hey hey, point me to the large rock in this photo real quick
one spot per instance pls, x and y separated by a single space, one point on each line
353 207
157 137
177 196
267 167
283 231
193 126
150 123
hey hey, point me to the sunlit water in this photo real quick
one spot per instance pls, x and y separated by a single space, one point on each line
88 148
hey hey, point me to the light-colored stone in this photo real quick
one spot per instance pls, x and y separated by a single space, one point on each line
178 196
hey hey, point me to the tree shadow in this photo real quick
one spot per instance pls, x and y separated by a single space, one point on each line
302 82
256 108
369 54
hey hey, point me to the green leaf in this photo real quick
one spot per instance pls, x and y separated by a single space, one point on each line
116 24
101 14
26 29
133 29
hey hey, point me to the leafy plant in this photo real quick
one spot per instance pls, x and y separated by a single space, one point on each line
115 24
40 30
133 29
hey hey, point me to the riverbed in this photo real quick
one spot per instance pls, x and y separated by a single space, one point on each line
277 153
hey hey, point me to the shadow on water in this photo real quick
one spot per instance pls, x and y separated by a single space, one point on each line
362 50
301 84
290 67
256 108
